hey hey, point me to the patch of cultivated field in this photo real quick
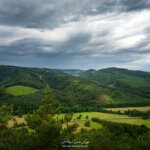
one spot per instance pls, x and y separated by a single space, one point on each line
20 90
113 118
18 120
93 125
145 108
81 122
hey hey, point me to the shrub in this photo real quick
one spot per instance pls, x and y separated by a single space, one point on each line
87 123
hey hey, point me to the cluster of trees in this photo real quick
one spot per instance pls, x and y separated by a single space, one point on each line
3 94
97 106
22 104
144 114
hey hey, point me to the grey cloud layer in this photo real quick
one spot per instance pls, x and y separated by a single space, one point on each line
49 13
75 34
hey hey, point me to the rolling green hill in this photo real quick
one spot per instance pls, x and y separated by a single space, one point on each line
91 90
69 88
137 82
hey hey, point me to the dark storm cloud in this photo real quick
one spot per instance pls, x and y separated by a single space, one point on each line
51 13
24 47
39 47
75 43
134 5
75 34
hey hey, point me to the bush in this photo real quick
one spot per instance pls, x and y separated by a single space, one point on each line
87 123
145 117
87 117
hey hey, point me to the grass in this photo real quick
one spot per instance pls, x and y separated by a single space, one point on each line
146 108
113 118
93 125
20 90
104 116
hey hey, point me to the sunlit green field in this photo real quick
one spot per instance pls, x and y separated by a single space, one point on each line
93 125
20 90
146 108
113 118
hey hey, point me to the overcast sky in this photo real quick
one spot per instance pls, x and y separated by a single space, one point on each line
79 34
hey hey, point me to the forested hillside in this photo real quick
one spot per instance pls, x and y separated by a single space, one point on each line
89 91
137 82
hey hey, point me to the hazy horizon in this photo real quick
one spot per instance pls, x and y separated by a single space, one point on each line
74 68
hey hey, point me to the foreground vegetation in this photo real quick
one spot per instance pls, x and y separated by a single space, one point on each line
43 131
112 118
81 118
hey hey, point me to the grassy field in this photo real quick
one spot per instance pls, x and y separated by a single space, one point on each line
20 90
93 125
146 108
113 118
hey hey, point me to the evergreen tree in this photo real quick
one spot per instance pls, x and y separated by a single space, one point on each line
46 128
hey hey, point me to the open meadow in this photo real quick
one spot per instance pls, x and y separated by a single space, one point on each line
18 90
114 118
